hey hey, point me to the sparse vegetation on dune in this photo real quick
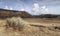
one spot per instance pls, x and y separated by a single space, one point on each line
16 23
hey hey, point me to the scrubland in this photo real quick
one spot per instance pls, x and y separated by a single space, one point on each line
38 27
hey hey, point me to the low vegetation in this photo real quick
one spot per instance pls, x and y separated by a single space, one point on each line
16 23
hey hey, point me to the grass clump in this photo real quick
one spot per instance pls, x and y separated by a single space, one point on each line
16 23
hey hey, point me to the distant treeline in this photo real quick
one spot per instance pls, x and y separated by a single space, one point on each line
47 16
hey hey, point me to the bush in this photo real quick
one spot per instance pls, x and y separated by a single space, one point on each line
16 23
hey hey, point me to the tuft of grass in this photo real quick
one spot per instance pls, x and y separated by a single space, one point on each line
16 23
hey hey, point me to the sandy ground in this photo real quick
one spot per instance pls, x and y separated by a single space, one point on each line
39 30
42 20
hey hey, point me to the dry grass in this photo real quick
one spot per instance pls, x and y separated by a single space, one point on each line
16 23
31 31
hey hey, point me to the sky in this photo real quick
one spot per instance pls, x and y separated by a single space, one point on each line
33 7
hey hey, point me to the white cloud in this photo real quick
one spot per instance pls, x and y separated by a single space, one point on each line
10 8
44 9
36 7
22 9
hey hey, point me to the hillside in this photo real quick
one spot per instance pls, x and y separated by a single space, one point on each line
4 13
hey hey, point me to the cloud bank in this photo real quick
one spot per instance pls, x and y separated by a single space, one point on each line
38 6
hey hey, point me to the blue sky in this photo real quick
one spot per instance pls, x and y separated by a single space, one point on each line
34 7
